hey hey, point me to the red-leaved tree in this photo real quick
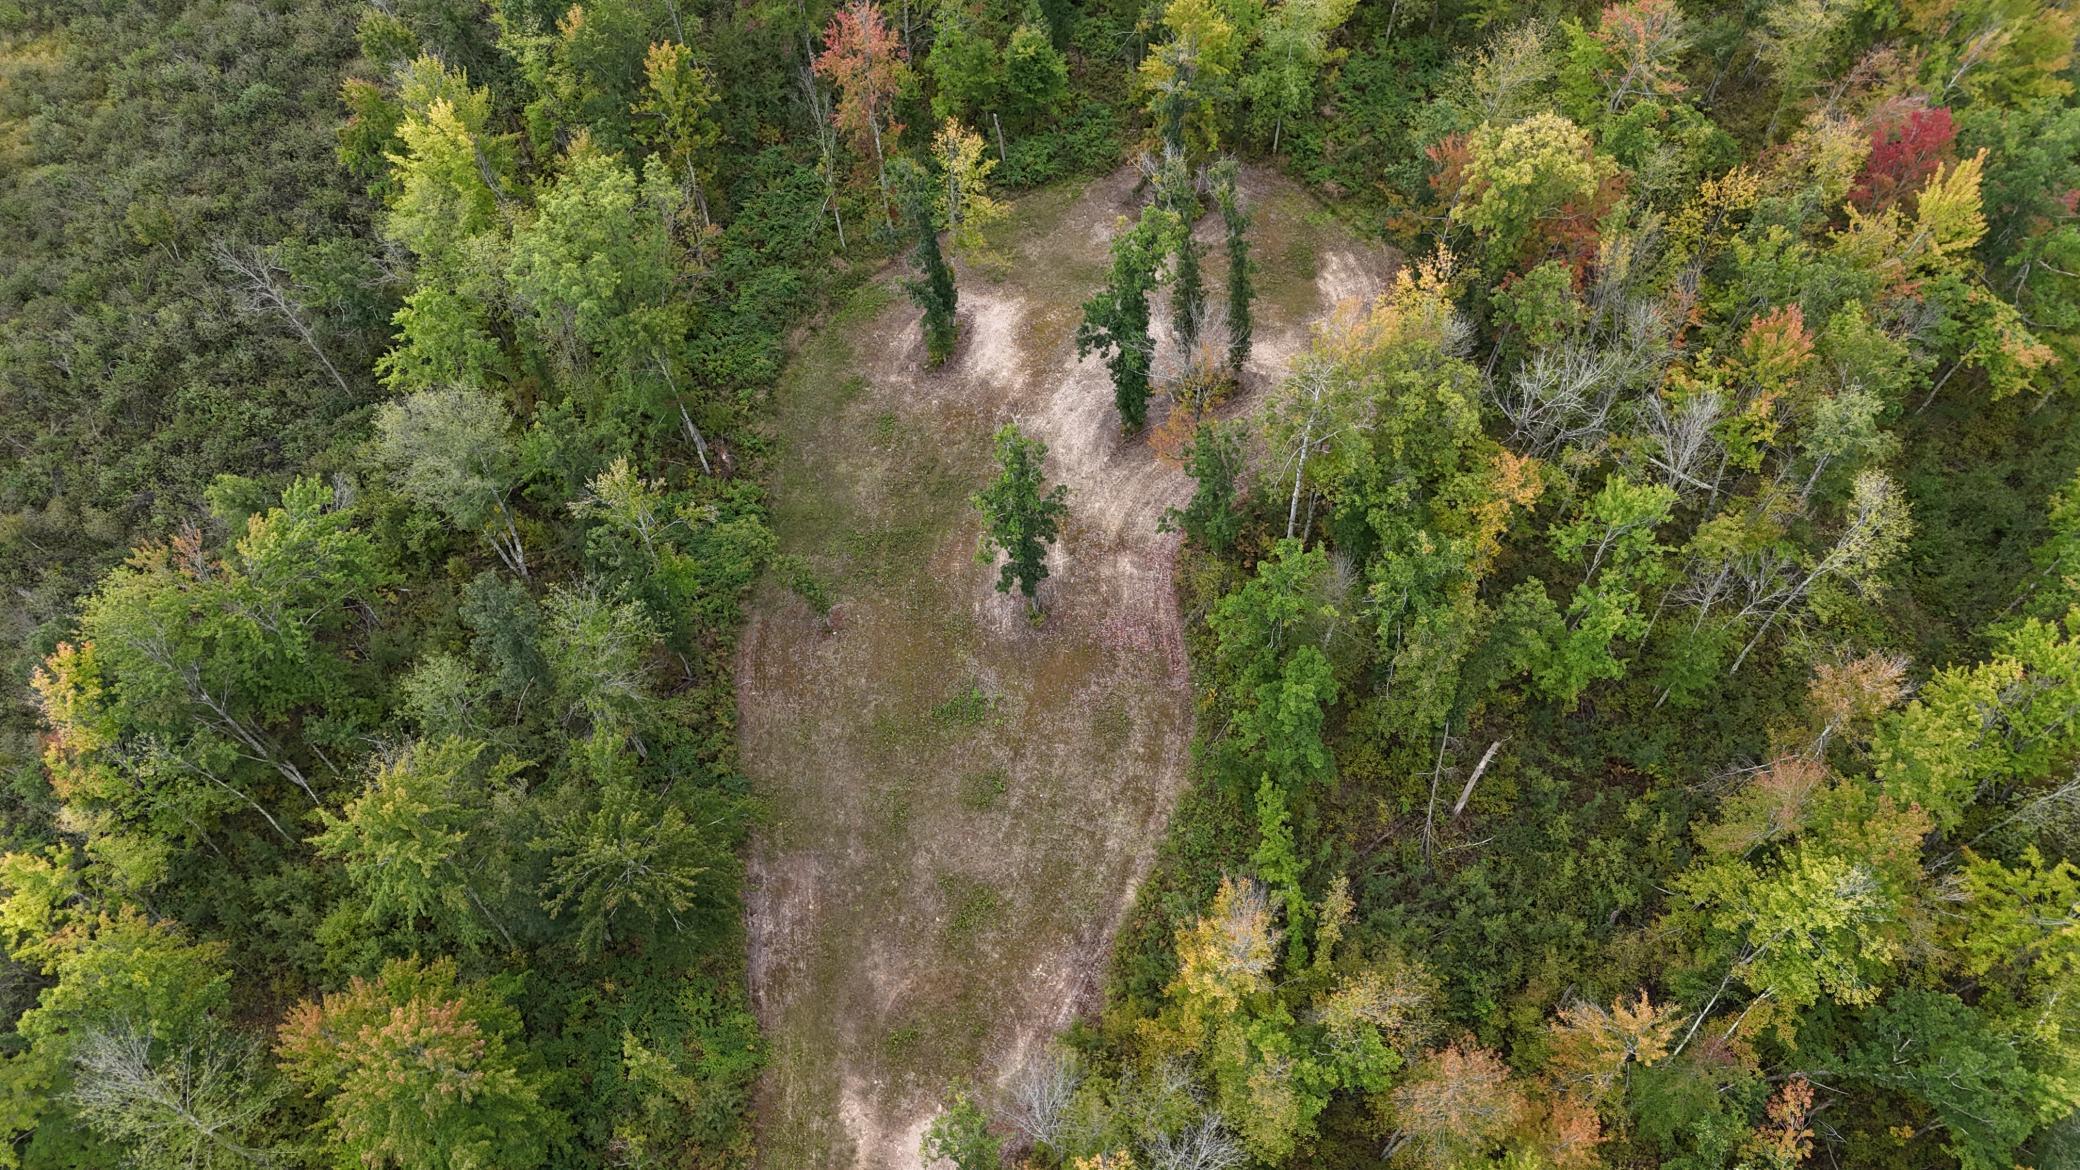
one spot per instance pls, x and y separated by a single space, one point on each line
864 58
1905 151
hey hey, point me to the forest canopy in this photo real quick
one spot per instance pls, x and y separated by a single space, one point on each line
1634 659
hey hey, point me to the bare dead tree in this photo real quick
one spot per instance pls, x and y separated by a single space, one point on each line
1466 793
819 106
1037 1099
693 433
200 1105
214 709
2053 816
1565 394
1444 741
1189 374
1203 1145
1560 398
1681 443
1877 523
139 760
264 288
1310 409
1248 941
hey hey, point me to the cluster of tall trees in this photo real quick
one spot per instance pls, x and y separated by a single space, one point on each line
980 65
1605 760
1208 343
380 498
372 792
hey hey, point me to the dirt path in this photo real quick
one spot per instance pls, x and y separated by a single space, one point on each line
961 804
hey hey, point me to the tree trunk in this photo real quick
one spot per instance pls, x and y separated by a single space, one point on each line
881 170
1466 793
510 549
1436 773
1293 507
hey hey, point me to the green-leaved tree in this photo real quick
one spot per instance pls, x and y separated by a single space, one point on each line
1021 515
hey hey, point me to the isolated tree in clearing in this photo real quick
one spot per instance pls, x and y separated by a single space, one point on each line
1235 217
1115 321
1021 516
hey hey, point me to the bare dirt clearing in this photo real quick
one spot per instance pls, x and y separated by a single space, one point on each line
961 804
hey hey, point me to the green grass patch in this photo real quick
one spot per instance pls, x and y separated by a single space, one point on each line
966 710
972 908
861 307
980 791
904 1044
894 810
1111 725
882 555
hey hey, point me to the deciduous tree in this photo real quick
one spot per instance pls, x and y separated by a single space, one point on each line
1290 57
1524 183
592 271
596 649
1459 1104
1592 1046
967 209
960 1134
1987 729
419 1068
679 100
451 173
184 698
450 451
1021 515
1191 76
866 60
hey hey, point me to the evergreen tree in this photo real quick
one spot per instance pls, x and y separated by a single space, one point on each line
1188 296
1236 218
405 842
632 865
1115 321
1214 459
933 291
1020 515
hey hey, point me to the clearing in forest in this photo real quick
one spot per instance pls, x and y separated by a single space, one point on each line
960 804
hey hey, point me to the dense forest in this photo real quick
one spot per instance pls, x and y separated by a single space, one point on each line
1635 660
